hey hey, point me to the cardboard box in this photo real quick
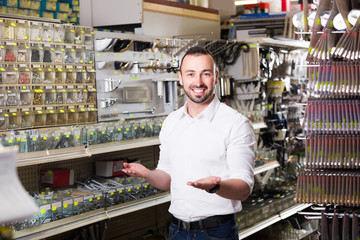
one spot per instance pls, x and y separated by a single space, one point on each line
109 168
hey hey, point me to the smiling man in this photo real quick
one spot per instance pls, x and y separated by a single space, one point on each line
206 157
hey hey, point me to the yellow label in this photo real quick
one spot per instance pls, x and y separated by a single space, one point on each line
62 111
65 205
40 112
98 198
76 203
10 141
112 193
67 136
42 211
53 208
90 200
45 138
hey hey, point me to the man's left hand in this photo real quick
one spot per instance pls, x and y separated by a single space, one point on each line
205 183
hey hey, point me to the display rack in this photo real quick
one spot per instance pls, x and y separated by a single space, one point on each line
68 224
271 220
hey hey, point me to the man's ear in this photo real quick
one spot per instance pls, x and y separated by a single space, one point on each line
180 78
216 76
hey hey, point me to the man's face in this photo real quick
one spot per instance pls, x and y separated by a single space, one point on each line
198 77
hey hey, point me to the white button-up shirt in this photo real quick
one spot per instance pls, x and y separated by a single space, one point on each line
217 142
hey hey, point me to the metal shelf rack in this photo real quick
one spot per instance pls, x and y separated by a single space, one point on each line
271 220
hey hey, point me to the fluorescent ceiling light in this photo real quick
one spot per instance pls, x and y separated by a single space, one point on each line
244 2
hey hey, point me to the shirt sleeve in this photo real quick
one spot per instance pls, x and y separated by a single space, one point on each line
240 152
164 160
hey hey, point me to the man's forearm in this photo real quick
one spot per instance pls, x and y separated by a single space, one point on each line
159 179
234 189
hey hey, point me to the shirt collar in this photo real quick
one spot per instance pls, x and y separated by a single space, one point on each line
208 113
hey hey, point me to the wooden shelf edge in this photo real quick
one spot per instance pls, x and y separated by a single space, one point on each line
184 12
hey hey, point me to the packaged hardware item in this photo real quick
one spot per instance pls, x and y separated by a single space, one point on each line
109 168
57 177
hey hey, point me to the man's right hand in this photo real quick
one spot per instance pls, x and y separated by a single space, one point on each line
135 170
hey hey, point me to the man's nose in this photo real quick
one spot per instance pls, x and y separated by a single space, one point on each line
198 80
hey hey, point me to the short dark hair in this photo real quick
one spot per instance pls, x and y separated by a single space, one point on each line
196 50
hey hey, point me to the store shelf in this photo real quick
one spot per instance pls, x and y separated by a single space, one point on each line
67 224
56 155
266 167
271 220
280 42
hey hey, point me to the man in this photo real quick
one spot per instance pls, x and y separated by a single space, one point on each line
206 157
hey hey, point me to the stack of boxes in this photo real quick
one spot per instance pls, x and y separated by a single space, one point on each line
65 10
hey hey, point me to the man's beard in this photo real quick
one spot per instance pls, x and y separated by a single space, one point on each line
198 99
